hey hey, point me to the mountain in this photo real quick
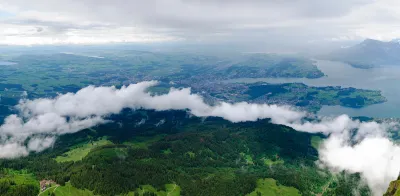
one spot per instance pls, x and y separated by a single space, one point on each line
368 54
158 153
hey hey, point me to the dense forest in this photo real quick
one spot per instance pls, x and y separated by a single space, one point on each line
202 156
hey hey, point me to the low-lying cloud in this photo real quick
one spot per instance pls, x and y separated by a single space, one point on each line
376 158
354 146
45 118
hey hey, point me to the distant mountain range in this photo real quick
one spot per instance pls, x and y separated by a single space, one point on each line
368 54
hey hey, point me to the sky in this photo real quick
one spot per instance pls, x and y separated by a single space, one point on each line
276 22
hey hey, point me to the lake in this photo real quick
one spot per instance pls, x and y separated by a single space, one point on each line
386 79
6 63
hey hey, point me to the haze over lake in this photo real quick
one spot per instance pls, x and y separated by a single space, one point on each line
6 63
386 79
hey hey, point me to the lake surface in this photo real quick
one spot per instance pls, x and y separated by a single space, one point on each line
7 63
386 79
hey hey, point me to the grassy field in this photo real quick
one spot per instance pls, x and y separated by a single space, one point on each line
170 190
269 162
20 176
48 191
394 189
67 190
248 158
316 142
268 187
80 151
18 182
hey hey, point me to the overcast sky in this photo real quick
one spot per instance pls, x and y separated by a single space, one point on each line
288 22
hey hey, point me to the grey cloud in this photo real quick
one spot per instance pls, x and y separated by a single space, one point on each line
204 20
51 28
40 144
39 29
13 150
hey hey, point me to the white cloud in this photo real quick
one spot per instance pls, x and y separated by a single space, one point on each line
376 158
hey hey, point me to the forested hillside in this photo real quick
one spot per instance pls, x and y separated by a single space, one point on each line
160 153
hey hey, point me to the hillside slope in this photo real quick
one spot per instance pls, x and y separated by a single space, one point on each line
394 188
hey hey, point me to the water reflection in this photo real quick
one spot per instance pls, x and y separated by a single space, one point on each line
6 63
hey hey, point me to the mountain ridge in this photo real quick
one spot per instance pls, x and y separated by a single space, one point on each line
368 54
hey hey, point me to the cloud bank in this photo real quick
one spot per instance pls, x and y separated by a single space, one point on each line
352 145
256 21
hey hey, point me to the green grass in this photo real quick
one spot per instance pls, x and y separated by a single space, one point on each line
81 151
268 187
67 190
48 191
394 189
173 190
269 162
248 158
20 176
167 152
316 142
192 155
170 190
